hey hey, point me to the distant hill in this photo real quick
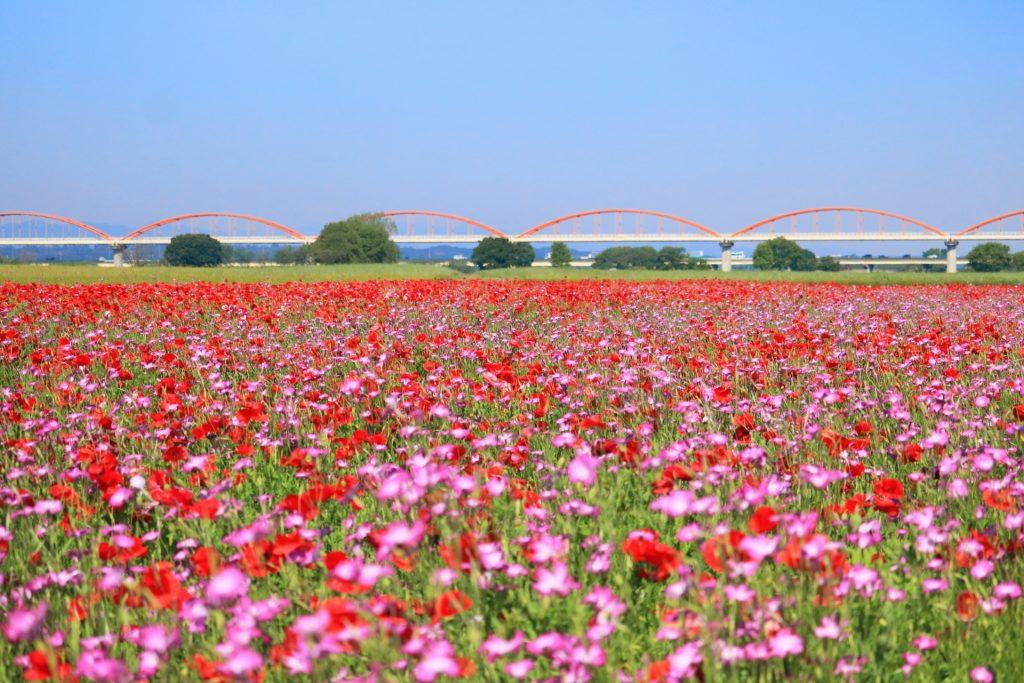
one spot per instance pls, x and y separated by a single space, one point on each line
445 252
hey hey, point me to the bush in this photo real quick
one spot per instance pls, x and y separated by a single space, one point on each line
829 263
500 252
623 258
194 250
990 257
646 258
363 238
561 257
292 255
780 253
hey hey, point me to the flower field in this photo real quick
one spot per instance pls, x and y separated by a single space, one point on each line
510 480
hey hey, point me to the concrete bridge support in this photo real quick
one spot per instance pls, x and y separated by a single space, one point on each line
951 246
118 255
726 255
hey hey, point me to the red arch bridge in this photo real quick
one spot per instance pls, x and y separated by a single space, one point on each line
824 224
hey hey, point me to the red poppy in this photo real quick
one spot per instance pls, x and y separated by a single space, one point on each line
888 494
165 591
764 519
656 560
1000 500
967 606
720 548
206 561
48 666
448 604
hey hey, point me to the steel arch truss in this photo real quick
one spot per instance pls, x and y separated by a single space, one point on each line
230 228
620 225
1006 226
839 223
432 227
28 228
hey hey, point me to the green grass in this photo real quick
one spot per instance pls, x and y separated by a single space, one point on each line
844 277
87 273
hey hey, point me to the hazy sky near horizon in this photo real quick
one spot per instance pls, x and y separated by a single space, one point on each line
120 113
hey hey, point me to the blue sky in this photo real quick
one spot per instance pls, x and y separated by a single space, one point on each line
511 113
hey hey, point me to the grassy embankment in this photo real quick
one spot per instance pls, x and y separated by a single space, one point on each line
86 274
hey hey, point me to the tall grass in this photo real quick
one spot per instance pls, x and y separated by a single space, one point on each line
86 274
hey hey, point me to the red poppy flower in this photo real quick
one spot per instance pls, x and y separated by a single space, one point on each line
764 519
967 606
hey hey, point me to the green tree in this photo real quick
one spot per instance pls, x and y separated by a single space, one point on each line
780 253
561 257
624 258
1017 261
671 258
829 263
230 254
194 250
363 238
291 255
989 257
500 252
937 253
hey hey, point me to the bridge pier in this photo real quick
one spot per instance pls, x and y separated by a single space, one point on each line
726 255
118 255
951 246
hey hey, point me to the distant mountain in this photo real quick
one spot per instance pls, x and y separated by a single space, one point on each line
441 252
445 252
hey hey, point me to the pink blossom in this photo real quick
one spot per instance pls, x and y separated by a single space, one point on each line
785 642
226 586
676 504
583 469
25 624
495 646
980 674
518 669
555 580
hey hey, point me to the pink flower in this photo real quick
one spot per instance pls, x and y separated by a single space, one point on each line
925 643
96 665
583 469
226 586
25 624
155 638
518 669
438 658
120 496
741 593
554 580
785 643
1007 591
495 646
240 661
676 504
982 569
829 629
980 674
685 660
758 547
399 534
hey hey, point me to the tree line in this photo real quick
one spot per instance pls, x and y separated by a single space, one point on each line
366 238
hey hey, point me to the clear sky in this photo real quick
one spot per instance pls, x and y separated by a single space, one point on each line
120 113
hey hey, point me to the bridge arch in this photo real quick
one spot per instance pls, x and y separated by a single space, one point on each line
996 220
839 212
430 228
639 214
213 215
53 219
